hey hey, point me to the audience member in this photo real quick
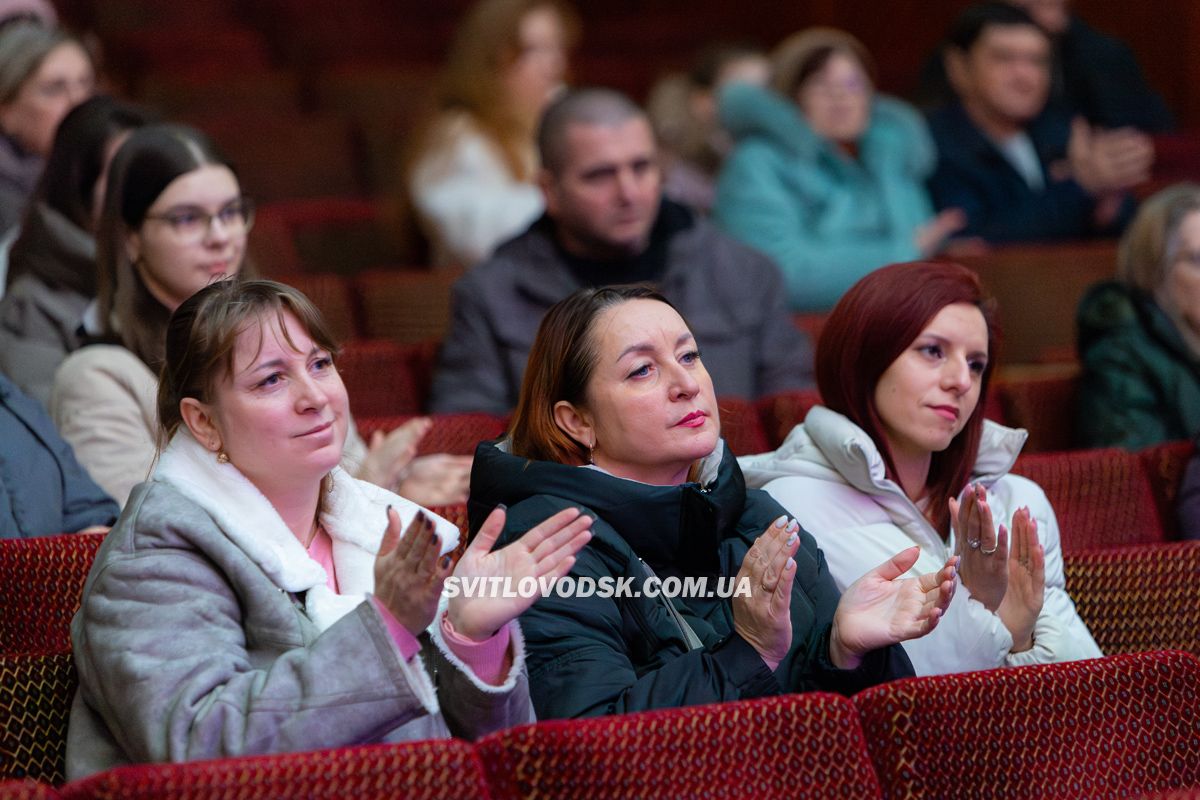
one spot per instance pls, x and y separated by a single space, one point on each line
43 490
1091 74
52 265
1139 336
472 178
257 599
174 219
618 417
682 108
827 176
44 73
607 222
1021 170
902 364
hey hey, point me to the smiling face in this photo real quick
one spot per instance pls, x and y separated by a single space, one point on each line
925 397
650 408
605 197
174 257
836 100
282 415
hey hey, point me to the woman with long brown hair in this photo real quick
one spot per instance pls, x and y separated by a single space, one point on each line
902 366
471 180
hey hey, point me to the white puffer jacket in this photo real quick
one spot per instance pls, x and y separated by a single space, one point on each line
830 475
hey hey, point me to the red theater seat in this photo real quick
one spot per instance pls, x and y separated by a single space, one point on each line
1113 727
789 746
36 690
42 580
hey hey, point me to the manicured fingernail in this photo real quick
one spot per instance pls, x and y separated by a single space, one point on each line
782 521
502 506
793 526
445 562
791 564
792 539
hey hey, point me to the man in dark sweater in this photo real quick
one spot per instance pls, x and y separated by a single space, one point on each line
607 222
1023 171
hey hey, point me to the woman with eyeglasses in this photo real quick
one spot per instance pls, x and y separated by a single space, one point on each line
174 220
827 176
1139 335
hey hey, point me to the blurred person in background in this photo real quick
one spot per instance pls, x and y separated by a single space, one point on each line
683 111
52 265
1139 335
44 73
472 176
828 175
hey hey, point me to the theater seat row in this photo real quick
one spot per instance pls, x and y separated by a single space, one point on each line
1122 726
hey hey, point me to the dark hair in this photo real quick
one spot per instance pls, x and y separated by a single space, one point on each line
869 328
146 164
972 23
804 54
560 365
78 155
712 60
591 106
201 339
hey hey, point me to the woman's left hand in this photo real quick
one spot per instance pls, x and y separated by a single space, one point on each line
880 608
545 551
437 480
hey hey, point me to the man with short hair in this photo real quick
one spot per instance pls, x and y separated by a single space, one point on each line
1019 170
606 222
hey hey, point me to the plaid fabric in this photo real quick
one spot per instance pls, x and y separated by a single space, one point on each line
1112 727
43 584
430 770
790 746
36 691
1139 598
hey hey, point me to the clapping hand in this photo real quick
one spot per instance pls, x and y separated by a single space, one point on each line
390 454
408 573
764 618
983 552
1026 582
881 609
545 551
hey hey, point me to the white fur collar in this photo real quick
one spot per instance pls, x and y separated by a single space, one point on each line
354 517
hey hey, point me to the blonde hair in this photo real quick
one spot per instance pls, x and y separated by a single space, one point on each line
1151 243
485 45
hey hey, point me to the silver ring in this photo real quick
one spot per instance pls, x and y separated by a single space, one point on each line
989 552
973 544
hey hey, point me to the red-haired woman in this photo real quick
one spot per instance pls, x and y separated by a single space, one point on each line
900 454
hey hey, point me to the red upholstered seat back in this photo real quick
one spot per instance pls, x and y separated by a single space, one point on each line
779 747
385 378
741 427
1138 598
1165 465
1113 727
27 790
36 690
782 412
1102 497
42 580
429 770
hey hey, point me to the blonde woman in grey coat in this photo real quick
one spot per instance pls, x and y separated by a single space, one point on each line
255 598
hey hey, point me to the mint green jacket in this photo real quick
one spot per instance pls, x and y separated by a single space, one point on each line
827 219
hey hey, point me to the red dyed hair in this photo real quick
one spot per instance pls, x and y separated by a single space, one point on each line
870 327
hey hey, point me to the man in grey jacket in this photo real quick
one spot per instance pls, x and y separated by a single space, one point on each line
607 222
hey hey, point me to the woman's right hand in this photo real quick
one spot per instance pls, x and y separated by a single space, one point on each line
409 573
764 617
983 564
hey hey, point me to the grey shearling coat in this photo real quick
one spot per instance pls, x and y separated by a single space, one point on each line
193 641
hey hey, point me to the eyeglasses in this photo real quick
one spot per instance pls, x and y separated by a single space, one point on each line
191 223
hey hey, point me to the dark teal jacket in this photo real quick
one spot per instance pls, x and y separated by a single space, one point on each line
594 656
1141 383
